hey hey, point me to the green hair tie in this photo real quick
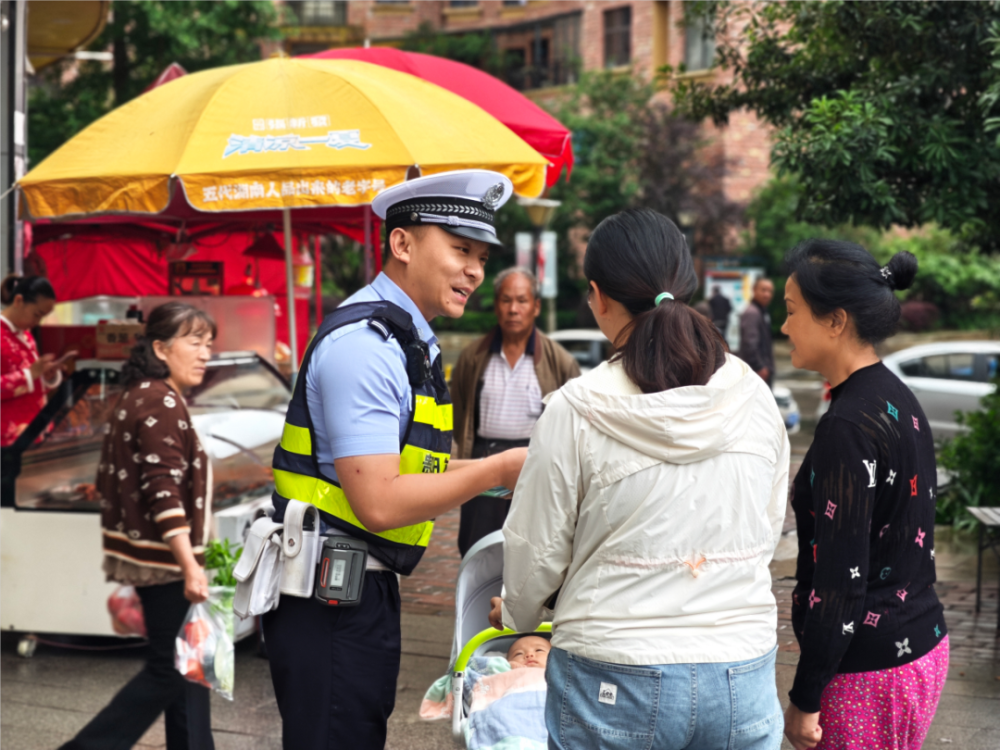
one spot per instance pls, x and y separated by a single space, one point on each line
662 296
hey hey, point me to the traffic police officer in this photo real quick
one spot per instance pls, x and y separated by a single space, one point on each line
367 440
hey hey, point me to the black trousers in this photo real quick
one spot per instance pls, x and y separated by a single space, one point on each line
158 688
334 669
483 515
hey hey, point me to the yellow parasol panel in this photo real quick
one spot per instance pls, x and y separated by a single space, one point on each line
280 133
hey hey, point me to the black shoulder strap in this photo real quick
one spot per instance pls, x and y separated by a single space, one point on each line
386 318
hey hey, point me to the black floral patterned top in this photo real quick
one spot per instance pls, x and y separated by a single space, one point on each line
864 507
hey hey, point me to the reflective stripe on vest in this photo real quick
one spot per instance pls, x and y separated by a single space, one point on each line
426 449
330 498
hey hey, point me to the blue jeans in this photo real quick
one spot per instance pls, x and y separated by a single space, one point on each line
595 704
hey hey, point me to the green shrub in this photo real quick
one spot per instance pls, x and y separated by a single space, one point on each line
961 281
974 460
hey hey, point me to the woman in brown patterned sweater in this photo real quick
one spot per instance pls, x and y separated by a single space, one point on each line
155 485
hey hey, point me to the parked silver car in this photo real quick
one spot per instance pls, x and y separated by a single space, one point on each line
947 377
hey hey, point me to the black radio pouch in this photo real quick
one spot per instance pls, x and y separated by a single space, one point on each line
418 362
340 574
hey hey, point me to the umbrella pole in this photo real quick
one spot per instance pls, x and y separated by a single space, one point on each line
318 268
293 344
369 259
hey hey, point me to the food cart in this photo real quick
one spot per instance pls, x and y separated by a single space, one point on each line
253 152
51 578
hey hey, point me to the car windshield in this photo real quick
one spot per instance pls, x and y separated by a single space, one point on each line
956 366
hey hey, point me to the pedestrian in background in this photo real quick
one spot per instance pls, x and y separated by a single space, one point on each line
721 307
756 347
648 509
871 629
497 389
25 377
154 481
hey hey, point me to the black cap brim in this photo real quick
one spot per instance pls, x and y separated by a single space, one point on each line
470 233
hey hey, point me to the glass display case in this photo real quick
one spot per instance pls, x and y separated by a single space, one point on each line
238 410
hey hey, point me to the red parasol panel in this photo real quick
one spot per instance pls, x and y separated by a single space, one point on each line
535 126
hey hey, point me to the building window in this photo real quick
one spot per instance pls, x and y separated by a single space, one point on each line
320 12
699 44
514 3
463 3
617 37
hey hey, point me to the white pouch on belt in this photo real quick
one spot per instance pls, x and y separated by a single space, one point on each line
258 572
299 550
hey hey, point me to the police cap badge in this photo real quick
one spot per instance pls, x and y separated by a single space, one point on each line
462 202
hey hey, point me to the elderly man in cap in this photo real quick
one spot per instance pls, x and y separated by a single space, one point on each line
497 389
367 441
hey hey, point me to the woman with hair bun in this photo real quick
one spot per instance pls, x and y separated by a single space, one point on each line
24 376
648 509
871 629
155 483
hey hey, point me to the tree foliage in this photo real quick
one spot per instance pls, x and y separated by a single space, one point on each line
973 459
883 110
632 150
144 38
473 48
960 281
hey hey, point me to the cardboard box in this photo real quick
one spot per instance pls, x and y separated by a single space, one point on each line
115 338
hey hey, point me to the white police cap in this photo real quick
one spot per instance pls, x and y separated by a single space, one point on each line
463 202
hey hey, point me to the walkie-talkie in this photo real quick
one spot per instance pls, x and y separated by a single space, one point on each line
418 362
340 575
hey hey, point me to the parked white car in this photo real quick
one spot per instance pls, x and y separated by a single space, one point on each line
947 377
590 347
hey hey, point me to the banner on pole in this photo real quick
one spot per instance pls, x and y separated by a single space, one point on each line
522 249
548 268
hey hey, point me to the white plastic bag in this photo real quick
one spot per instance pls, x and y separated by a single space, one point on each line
204 651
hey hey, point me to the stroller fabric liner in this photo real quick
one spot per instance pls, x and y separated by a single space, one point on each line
491 706
504 707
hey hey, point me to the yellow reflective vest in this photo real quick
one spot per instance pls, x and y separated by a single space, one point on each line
425 448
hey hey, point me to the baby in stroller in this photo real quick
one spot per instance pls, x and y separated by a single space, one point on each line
529 651
494 693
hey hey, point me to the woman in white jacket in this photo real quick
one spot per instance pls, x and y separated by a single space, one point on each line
646 514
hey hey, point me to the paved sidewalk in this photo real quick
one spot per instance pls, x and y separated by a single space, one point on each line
47 699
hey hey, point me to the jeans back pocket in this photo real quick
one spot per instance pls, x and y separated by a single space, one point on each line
608 706
757 715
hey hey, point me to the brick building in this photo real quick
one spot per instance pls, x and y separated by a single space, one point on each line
546 43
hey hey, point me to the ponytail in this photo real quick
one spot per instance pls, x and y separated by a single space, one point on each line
29 287
671 346
634 257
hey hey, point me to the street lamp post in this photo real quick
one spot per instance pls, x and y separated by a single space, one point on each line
540 213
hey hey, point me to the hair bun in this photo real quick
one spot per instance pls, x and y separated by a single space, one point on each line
903 267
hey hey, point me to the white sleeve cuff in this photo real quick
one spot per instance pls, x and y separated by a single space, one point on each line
54 383
31 380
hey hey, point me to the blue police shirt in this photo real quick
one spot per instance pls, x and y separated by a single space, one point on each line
357 389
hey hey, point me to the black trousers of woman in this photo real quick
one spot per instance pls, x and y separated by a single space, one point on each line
158 688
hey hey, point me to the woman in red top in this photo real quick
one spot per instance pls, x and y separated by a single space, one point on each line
24 376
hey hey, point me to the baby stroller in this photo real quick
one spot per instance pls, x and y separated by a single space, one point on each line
480 577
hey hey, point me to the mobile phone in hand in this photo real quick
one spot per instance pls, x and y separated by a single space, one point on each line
68 355
498 491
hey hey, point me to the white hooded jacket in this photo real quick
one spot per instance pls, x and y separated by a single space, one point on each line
655 518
